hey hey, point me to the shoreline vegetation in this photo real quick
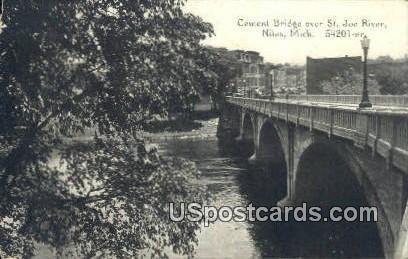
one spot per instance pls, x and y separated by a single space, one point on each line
88 76
201 125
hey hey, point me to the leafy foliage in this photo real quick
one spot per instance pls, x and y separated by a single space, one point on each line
223 66
392 76
110 65
349 82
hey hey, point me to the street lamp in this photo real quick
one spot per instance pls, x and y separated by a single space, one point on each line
245 86
271 74
232 88
365 102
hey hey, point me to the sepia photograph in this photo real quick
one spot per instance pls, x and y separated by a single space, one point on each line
203 129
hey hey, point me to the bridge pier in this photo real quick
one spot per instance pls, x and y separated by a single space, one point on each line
289 199
286 202
291 160
239 138
229 123
401 250
253 159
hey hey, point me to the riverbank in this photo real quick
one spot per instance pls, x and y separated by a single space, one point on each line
198 128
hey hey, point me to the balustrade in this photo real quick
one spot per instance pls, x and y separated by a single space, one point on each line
386 132
380 100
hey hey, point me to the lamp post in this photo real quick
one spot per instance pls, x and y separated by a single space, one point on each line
245 86
245 89
271 74
365 102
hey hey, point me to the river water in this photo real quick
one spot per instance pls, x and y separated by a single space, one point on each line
227 177
232 182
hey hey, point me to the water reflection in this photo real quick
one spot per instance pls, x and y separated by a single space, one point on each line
235 182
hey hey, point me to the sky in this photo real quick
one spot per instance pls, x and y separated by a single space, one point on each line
386 25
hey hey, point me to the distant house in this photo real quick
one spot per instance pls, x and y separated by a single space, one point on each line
253 75
289 79
322 69
259 77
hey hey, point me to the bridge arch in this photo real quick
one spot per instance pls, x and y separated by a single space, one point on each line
248 135
328 175
270 147
270 153
248 128
375 158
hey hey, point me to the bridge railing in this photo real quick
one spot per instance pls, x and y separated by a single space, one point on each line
380 100
386 132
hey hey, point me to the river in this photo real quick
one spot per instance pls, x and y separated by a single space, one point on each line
232 182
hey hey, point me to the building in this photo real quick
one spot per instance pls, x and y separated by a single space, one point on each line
253 78
323 69
259 77
289 79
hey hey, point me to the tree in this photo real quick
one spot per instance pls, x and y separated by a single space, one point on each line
393 78
223 66
391 74
109 65
349 82
384 59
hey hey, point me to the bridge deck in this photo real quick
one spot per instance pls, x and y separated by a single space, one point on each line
383 128
386 109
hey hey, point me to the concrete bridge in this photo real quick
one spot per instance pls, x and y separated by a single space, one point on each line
330 149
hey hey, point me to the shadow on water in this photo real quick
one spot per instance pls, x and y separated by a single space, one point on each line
236 182
264 184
